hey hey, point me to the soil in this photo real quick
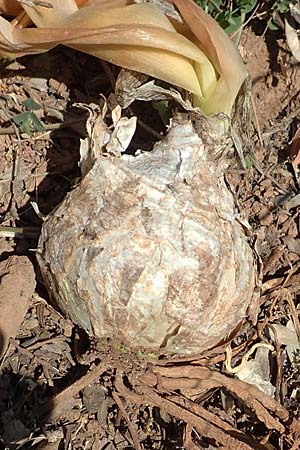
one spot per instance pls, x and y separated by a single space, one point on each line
59 389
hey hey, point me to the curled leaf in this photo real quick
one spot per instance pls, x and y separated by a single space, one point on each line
292 40
222 53
138 37
197 55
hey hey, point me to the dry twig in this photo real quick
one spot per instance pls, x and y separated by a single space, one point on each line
157 388
131 428
59 404
278 392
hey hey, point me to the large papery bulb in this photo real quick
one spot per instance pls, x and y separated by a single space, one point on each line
147 250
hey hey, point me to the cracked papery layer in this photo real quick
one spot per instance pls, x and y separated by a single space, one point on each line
148 250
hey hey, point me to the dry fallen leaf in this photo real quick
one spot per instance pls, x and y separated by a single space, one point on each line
17 284
257 372
287 336
295 11
98 135
122 135
292 40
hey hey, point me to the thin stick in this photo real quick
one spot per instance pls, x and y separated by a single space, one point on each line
240 29
256 121
131 428
149 130
49 127
278 392
296 445
19 232
15 179
294 313
60 403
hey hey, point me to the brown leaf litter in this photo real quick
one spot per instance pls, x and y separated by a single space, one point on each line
17 285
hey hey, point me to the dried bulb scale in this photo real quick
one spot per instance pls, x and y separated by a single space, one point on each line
147 250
